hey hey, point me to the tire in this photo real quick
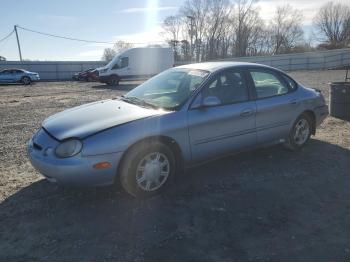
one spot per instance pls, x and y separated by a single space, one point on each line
302 126
26 80
114 80
142 175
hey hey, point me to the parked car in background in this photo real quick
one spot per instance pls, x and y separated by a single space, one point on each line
177 119
136 63
88 75
18 76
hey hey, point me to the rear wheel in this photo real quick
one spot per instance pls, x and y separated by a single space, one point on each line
147 169
26 80
114 80
300 133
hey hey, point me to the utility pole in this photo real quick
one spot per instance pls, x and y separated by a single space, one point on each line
191 34
19 46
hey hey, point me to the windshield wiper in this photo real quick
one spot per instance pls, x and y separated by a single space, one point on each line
137 101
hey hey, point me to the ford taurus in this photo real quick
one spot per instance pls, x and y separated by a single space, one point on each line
179 118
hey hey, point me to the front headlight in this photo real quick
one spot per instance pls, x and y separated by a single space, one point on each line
69 148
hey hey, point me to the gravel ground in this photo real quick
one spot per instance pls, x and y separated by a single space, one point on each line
265 205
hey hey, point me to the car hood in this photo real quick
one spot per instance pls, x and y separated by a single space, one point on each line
85 120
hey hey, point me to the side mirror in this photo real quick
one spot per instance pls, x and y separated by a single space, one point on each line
210 101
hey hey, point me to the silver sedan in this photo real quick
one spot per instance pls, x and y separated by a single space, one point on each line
179 118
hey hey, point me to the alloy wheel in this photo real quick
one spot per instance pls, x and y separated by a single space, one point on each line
152 171
301 131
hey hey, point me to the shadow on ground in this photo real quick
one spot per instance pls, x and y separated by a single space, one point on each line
265 205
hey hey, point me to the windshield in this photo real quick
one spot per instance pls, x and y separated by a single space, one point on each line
113 61
169 89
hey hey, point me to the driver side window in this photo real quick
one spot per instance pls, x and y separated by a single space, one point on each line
121 63
229 87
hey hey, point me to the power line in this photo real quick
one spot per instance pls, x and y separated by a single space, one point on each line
65 37
77 39
3 44
7 36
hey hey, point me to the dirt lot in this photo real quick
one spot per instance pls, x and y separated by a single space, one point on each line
266 205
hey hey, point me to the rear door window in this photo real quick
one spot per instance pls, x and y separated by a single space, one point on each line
267 84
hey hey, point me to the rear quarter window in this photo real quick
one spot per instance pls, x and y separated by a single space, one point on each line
292 85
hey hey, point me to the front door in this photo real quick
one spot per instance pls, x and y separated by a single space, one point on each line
122 68
226 127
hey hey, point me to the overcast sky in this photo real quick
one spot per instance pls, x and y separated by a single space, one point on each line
101 20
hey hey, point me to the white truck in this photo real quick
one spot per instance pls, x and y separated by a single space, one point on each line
136 63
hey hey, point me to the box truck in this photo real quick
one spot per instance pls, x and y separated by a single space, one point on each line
136 63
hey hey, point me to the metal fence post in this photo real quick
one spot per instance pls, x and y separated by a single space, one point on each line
290 64
57 72
341 59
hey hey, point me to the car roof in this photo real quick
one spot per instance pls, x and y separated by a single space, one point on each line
214 66
12 69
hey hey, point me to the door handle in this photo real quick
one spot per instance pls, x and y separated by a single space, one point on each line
293 101
247 112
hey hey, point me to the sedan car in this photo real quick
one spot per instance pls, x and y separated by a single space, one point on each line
18 76
179 118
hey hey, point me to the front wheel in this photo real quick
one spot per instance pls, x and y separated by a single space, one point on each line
147 168
114 81
26 80
300 133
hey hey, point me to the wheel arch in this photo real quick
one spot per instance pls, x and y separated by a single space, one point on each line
27 77
312 116
170 142
114 75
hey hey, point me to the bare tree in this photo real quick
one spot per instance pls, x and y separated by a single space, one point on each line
225 28
185 50
333 22
172 26
119 46
108 54
247 23
285 29
216 21
198 10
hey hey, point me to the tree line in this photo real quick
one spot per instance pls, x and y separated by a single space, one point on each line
205 30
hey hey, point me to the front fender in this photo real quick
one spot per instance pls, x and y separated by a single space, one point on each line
120 138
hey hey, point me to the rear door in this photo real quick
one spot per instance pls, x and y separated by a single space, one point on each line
227 127
276 103
5 76
2 75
